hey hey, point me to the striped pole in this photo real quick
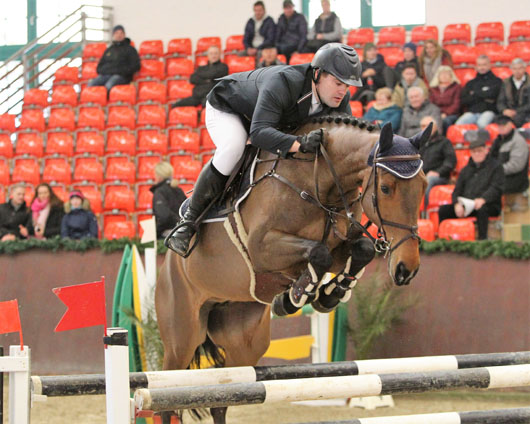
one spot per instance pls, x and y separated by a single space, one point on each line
74 385
497 416
330 388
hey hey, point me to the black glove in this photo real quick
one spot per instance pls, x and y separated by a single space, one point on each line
310 143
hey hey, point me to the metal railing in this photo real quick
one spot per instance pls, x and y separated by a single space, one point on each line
62 44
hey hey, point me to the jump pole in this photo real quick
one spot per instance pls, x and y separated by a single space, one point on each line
329 388
17 365
74 385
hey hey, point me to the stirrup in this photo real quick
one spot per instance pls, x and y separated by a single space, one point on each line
171 235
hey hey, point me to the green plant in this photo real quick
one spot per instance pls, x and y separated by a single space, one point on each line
377 307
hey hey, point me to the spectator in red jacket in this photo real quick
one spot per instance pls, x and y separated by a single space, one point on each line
445 93
431 58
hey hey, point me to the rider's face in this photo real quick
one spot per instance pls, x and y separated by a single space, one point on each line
330 90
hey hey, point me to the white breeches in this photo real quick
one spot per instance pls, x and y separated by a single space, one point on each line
229 136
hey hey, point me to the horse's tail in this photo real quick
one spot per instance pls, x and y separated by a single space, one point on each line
213 354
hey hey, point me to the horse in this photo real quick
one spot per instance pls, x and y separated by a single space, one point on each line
300 220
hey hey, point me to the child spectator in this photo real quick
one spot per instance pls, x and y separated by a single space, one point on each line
373 74
327 29
445 93
269 57
384 110
260 30
167 198
431 58
291 31
419 106
514 98
47 213
14 215
79 222
409 78
409 57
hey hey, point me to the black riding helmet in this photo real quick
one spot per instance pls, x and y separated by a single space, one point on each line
339 60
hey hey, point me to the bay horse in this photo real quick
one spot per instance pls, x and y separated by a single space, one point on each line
299 221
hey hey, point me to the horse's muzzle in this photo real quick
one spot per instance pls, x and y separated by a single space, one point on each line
403 276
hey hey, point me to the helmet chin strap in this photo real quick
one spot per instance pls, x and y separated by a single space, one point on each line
316 78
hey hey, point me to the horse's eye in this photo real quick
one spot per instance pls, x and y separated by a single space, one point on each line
385 189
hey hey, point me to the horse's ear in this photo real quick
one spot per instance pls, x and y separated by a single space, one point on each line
422 137
386 138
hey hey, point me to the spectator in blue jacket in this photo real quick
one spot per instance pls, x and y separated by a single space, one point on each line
79 221
260 30
384 110
291 32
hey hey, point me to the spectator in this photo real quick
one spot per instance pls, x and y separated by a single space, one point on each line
291 31
409 57
480 185
79 222
419 106
438 157
47 213
445 93
269 57
327 29
259 30
514 98
204 78
167 198
119 62
384 110
480 94
511 150
431 58
409 78
14 215
373 74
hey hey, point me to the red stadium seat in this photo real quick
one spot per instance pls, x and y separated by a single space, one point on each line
234 44
60 191
152 115
32 119
57 170
29 143
179 89
123 94
426 229
144 197
26 170
91 142
60 143
419 34
2 190
183 140
145 163
179 67
356 108
118 197
88 71
92 194
152 140
150 49
206 140
392 55
121 116
462 159
457 229
91 96
205 42
7 123
493 130
391 37
179 47
502 72
301 58
89 169
152 92
201 61
519 31
5 177
66 75
151 69
183 116
463 56
440 195
119 229
465 75
488 32
35 97
64 95
91 117
455 133
119 168
498 55
184 167
6 146
360 36
241 64
121 141
520 49
62 118
457 34
93 51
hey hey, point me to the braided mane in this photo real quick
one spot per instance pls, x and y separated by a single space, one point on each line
342 119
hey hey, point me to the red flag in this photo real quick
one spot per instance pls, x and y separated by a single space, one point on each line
10 319
85 303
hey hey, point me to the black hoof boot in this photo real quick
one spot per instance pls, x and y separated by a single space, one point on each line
282 306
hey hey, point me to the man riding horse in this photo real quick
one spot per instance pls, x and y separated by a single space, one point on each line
259 103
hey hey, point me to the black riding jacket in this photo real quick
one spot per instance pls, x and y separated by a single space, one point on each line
270 100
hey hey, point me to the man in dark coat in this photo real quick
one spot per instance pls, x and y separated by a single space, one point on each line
119 62
291 31
438 157
327 29
480 181
514 98
260 30
204 79
14 215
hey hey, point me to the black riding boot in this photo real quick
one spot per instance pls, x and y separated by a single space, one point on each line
209 184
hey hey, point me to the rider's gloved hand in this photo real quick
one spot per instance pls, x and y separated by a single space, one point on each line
310 143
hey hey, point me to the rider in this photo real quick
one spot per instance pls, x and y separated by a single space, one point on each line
259 103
